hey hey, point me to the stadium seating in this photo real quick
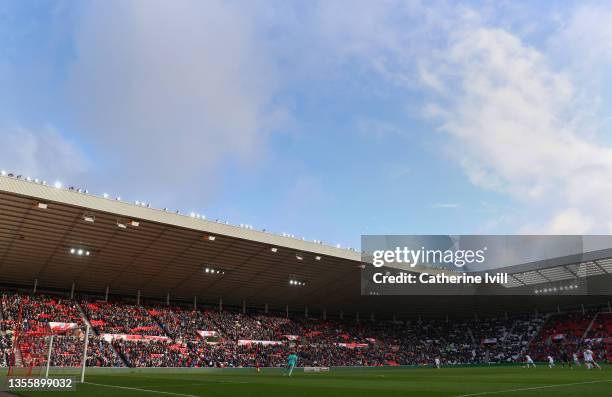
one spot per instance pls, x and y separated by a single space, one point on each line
173 336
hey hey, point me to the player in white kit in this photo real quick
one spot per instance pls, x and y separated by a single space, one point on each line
576 360
529 361
551 362
588 359
437 361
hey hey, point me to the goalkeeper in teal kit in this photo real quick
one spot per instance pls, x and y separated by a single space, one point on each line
291 363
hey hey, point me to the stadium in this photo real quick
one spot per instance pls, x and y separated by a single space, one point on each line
179 305
215 198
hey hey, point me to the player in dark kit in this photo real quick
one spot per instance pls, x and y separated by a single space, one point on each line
565 358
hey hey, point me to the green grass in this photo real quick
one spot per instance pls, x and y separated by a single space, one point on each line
369 382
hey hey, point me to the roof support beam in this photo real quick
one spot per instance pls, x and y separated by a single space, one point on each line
600 268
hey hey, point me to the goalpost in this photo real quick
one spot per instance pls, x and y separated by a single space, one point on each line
86 345
32 351
83 360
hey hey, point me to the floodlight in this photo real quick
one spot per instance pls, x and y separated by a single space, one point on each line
57 185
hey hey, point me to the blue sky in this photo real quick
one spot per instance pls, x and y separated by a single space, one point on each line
325 120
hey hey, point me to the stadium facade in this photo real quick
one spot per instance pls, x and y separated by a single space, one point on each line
141 252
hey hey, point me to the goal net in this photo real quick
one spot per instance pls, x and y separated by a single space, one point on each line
39 345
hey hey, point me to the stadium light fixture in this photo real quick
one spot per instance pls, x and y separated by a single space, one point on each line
134 223
299 257
105 195
121 225
42 206
3 173
274 249
80 252
318 258
91 218
211 238
57 185
211 270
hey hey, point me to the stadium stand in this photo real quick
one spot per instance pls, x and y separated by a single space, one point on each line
119 318
151 335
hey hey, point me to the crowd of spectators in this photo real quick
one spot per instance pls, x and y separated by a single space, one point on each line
68 352
182 323
167 336
36 311
120 318
602 326
5 350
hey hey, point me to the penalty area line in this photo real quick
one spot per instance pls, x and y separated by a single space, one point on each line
138 389
486 393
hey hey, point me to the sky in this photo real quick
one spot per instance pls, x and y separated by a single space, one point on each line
323 119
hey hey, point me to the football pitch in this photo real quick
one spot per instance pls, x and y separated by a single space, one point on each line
448 382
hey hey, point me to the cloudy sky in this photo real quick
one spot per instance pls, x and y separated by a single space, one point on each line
327 119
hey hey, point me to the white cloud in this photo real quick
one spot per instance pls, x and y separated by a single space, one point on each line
570 221
519 124
512 119
42 153
170 92
446 205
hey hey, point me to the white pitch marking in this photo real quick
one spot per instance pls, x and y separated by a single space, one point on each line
532 388
145 390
